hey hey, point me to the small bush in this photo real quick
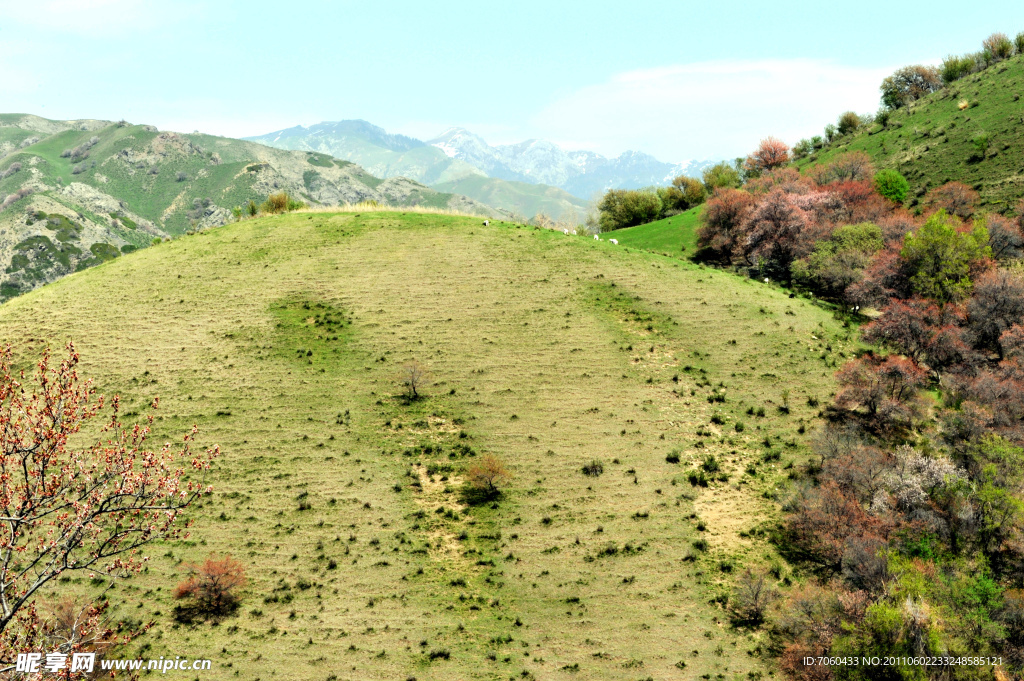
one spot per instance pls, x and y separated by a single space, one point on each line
672 457
593 469
180 176
892 185
739 427
211 588
1018 42
710 464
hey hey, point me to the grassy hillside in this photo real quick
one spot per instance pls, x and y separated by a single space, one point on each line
118 185
507 196
676 235
934 141
283 337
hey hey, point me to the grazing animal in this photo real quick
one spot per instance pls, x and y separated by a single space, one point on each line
565 232
597 238
614 241
766 280
574 232
486 222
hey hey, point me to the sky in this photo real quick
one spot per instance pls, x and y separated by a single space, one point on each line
679 80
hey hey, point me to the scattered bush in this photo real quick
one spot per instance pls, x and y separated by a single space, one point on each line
848 122
180 176
212 589
593 469
487 474
770 154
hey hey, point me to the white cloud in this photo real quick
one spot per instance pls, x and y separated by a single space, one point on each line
714 109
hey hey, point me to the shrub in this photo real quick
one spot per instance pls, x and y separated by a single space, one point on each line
180 176
672 457
954 68
852 166
909 84
593 469
848 122
955 198
487 474
752 596
721 175
999 45
213 587
1018 42
892 185
710 464
627 207
413 376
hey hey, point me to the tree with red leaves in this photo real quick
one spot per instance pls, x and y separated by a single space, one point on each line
774 227
772 153
723 219
211 588
68 509
886 388
918 329
956 198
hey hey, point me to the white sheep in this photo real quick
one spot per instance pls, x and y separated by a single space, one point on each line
574 232
597 238
486 222
766 280
614 241
565 232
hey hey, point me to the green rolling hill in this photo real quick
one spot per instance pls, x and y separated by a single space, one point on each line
283 338
971 131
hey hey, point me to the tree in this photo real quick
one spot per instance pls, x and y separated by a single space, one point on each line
1004 237
940 258
999 45
770 154
909 84
627 207
684 193
996 306
892 185
886 388
413 376
955 198
211 588
721 175
774 230
487 475
848 122
723 219
839 261
68 509
753 593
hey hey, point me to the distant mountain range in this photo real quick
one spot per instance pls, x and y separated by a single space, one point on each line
76 193
457 160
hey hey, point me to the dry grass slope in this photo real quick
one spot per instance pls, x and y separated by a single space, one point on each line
283 338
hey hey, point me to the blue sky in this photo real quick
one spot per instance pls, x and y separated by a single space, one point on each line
679 80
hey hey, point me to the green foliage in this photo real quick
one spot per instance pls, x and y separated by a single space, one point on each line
955 67
848 122
908 84
940 257
721 175
626 208
892 185
839 261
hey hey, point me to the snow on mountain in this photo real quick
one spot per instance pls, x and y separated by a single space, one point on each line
581 173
